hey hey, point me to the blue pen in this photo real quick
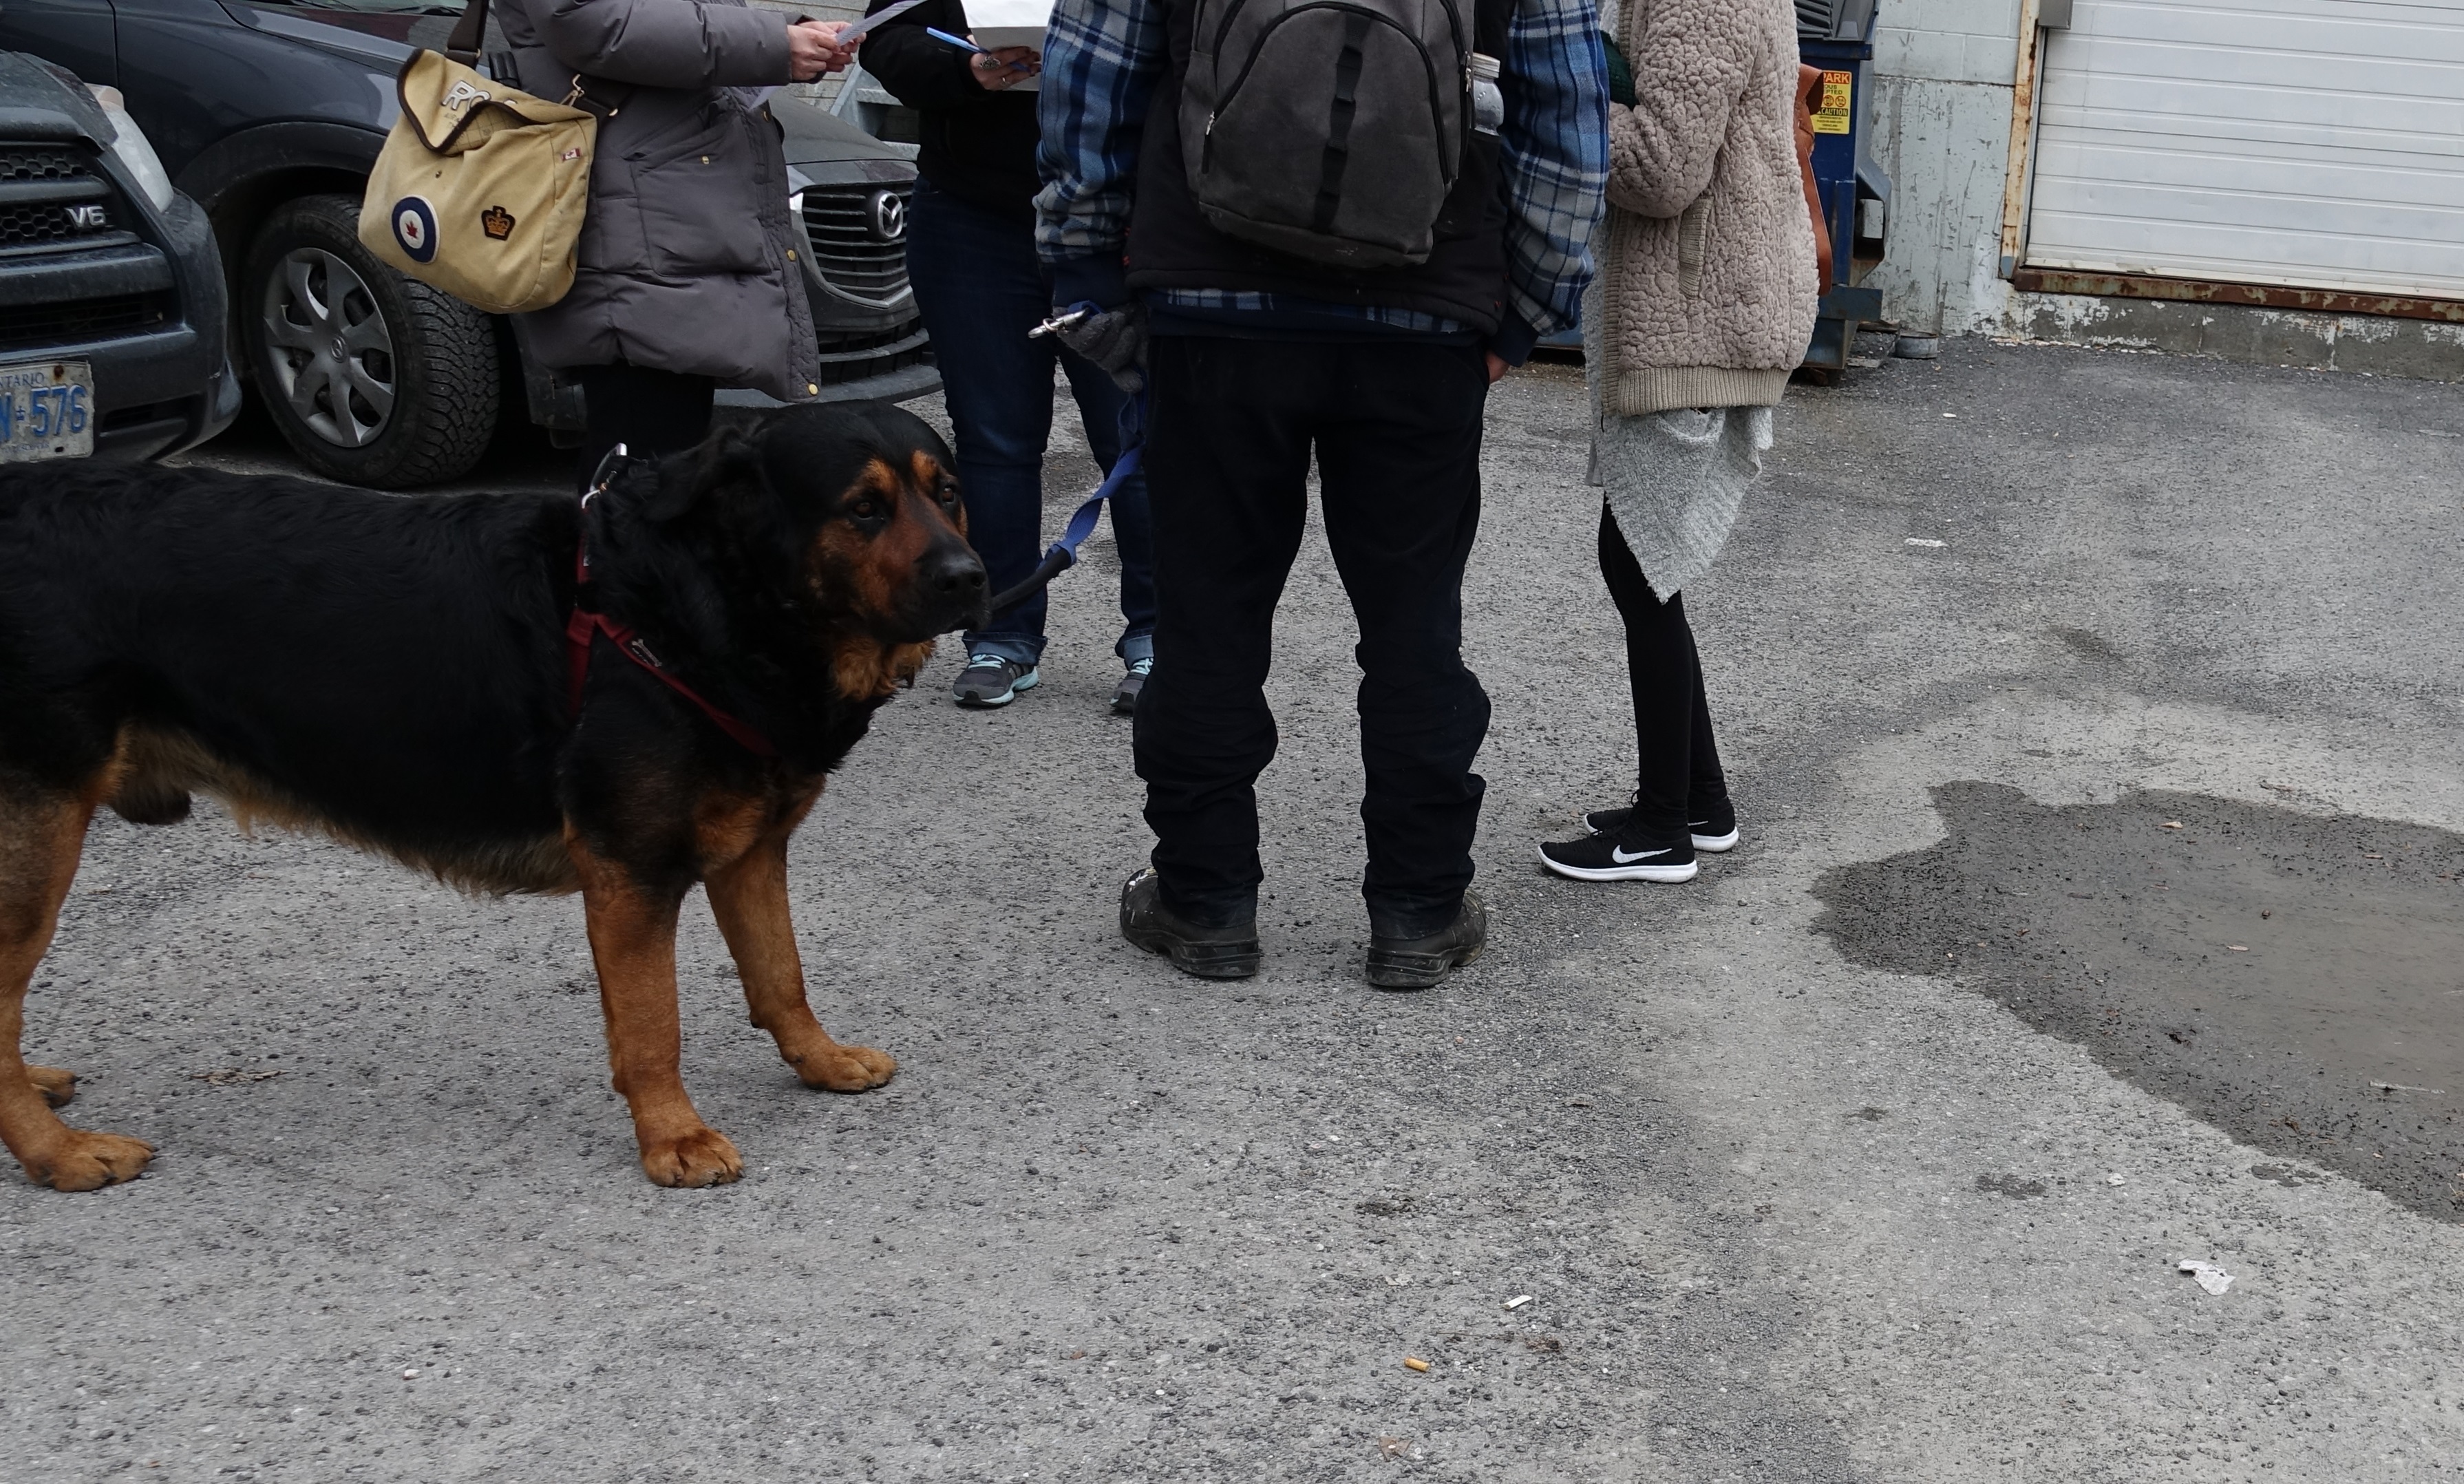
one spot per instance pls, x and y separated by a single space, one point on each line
965 45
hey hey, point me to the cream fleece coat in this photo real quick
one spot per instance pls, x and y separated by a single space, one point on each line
1708 284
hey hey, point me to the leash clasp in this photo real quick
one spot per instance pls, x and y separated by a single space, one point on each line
1061 321
605 474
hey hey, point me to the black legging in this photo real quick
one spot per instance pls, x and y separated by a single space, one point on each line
1678 774
651 412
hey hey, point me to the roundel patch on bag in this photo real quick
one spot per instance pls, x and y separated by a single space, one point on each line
414 227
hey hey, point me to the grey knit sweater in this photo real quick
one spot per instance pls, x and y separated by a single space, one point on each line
1708 282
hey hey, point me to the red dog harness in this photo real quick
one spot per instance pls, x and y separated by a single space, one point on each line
583 628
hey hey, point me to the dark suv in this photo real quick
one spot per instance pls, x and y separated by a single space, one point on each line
271 115
111 300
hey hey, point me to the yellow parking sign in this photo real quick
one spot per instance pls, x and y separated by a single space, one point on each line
1838 88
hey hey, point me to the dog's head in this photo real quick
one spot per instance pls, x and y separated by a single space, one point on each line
869 505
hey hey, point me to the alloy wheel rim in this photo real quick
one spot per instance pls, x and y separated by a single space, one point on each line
333 355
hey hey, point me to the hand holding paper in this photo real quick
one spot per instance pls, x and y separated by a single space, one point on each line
815 48
1005 27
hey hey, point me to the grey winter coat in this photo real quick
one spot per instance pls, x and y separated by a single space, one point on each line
687 255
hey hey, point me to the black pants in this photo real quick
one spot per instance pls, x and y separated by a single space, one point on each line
651 412
1679 776
1395 427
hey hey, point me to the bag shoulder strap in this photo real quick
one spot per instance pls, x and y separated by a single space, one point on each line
469 33
463 45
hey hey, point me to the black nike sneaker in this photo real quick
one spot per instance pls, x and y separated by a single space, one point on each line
1714 834
1623 854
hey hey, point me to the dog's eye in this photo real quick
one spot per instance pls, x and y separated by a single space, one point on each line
866 509
949 497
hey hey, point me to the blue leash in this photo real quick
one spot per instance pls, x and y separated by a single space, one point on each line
1064 554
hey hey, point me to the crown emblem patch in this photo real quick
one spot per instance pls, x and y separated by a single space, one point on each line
496 222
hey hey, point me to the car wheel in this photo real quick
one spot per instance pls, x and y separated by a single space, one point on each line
373 378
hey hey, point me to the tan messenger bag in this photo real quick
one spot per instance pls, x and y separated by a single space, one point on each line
480 188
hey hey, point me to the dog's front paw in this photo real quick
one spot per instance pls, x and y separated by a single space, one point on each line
57 1085
700 1157
82 1159
847 1068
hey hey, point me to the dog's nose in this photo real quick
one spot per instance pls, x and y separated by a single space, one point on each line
957 576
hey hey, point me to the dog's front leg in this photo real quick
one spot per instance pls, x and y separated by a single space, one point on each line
749 898
633 939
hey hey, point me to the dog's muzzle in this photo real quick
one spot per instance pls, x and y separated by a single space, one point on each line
953 584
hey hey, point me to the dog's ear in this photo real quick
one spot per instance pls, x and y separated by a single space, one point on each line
728 457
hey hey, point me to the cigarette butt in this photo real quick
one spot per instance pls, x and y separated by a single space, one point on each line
1414 1362
1518 1300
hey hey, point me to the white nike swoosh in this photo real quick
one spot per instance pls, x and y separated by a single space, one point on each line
1624 860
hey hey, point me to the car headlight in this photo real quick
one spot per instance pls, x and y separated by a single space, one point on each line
130 143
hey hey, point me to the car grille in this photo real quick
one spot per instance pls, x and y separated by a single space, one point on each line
30 326
37 161
852 254
857 341
848 357
25 224
51 200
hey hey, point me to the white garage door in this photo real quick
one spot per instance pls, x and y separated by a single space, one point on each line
2314 143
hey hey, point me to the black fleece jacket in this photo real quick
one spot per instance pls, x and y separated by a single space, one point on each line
978 146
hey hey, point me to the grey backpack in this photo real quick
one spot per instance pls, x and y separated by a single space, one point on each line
1332 129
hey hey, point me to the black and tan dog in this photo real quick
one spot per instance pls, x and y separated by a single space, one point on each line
438 679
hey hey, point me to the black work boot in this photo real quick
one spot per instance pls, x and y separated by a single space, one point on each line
1419 963
1209 952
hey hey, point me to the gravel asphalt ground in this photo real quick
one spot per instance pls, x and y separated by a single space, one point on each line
1801 1186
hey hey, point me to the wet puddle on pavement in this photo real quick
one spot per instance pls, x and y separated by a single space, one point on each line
2297 980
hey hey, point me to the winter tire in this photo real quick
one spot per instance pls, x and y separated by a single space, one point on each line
374 379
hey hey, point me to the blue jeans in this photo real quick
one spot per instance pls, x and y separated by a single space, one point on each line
980 290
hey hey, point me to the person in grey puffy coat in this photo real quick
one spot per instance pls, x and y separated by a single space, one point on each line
686 279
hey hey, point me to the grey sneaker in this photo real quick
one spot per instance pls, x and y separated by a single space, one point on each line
991 680
1207 952
1124 695
1419 963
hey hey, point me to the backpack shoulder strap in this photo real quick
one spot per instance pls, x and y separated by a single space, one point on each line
1491 22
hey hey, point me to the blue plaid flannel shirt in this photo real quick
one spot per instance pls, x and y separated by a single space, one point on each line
1102 58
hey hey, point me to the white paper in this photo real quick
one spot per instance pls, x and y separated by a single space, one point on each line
875 19
999 23
2210 1276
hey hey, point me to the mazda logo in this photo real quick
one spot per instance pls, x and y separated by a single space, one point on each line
886 214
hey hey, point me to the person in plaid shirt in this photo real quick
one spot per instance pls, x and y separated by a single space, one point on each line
1254 360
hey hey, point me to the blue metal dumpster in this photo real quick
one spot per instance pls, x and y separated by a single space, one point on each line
1837 36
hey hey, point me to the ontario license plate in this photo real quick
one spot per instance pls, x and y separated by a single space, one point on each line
46 411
